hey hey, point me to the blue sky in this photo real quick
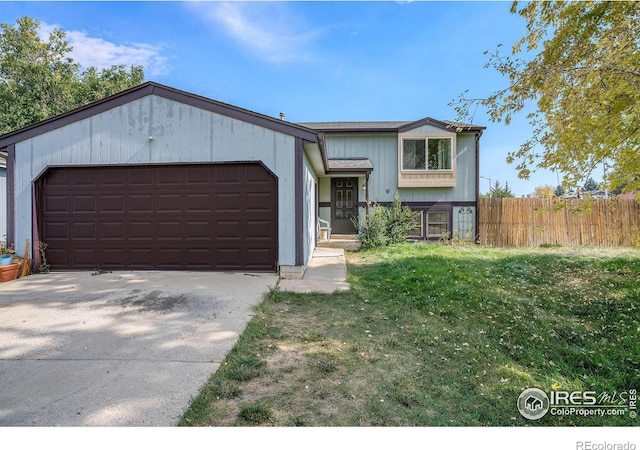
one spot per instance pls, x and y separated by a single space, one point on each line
315 61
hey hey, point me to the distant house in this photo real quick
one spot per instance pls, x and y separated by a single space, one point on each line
629 196
158 178
597 194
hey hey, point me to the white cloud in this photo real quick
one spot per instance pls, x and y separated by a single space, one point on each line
97 52
268 30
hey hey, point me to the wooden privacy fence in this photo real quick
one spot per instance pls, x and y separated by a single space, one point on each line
521 222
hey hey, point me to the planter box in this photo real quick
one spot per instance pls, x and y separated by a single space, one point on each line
9 273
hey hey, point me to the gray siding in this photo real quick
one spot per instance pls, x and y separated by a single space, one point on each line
310 181
382 151
157 130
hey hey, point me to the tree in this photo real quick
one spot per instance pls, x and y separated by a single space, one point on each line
590 185
499 191
38 78
544 192
560 191
579 63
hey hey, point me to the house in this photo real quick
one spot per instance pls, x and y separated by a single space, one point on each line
432 165
597 194
158 178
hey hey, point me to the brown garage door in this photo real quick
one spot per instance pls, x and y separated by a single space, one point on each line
178 217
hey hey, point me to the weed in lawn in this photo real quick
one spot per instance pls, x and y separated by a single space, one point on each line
256 413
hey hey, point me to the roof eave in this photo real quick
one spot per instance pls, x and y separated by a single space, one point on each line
152 88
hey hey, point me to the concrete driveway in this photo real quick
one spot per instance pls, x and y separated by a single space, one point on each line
116 349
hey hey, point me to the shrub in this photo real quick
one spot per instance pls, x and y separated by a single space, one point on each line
383 226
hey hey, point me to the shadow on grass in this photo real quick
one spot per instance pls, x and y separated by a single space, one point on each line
437 336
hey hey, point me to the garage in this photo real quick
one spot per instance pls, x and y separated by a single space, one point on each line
220 216
155 178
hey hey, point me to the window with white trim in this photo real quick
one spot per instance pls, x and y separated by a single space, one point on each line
437 223
429 153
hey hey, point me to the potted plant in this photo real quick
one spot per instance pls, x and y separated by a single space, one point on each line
8 269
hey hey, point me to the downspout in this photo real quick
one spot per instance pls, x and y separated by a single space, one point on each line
10 158
4 154
478 186
366 193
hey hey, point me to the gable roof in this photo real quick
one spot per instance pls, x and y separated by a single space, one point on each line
152 88
391 126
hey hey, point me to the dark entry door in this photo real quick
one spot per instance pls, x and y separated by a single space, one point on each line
344 205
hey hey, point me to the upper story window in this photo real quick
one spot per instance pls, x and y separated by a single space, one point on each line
427 159
426 154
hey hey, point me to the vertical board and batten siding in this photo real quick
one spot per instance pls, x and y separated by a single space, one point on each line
153 129
309 224
522 222
382 151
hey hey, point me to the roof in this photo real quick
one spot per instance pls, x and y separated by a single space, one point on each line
354 165
391 126
152 88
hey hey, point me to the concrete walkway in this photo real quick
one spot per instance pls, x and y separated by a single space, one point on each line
327 273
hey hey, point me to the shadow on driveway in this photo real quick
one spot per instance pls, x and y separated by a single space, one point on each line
117 349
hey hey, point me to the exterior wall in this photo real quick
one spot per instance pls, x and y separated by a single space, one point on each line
153 129
382 151
3 205
310 183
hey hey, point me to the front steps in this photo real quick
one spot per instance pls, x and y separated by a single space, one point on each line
347 242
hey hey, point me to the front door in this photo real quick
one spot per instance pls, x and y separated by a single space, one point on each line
344 205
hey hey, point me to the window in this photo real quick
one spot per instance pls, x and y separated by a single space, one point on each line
465 223
437 223
426 154
416 231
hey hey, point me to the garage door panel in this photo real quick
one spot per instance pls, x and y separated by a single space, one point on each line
112 177
86 230
198 202
84 179
139 203
112 203
57 204
167 176
168 203
182 217
198 176
84 204
57 230
140 177
140 230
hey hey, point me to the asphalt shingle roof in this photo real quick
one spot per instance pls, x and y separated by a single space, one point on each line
349 164
388 126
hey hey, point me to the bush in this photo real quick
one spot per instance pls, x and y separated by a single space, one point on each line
383 226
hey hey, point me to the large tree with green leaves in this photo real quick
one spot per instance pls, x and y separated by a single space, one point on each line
579 64
38 78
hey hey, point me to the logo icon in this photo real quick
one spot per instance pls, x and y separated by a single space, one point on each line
533 403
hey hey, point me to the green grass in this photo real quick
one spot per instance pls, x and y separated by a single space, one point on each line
431 335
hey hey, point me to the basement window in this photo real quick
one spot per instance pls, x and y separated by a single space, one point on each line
437 224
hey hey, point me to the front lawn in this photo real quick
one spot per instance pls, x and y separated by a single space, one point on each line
433 335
